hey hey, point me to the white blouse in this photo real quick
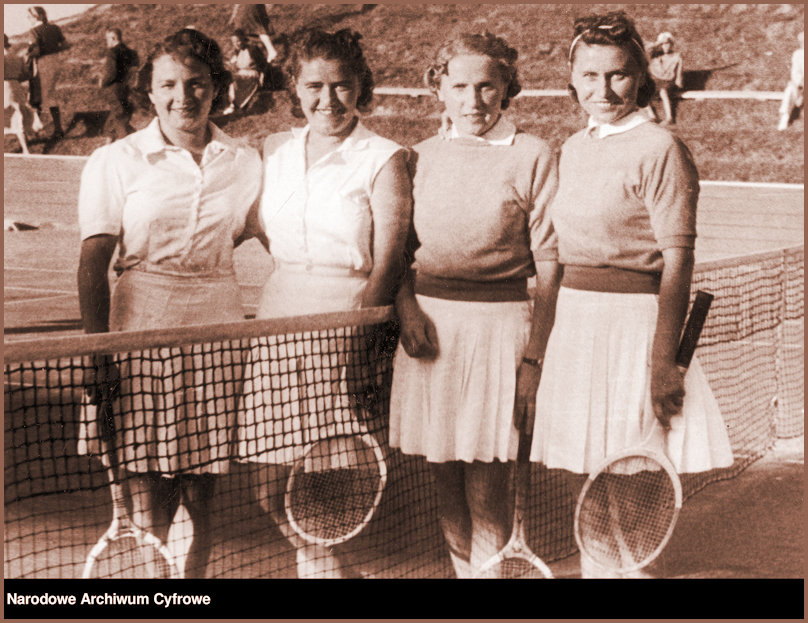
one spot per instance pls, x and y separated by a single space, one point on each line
173 216
322 217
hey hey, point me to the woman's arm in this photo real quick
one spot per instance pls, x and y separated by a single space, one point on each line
93 283
528 374
667 382
391 206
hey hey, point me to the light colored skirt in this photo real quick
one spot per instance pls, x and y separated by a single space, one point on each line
177 406
459 406
295 391
594 398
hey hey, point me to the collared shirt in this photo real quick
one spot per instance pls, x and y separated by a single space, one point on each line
502 133
322 216
173 216
629 122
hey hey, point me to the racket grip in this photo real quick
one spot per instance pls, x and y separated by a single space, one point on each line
693 327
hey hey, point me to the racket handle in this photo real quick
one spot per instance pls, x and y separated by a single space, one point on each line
692 331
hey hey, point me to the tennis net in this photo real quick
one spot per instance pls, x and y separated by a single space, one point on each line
57 499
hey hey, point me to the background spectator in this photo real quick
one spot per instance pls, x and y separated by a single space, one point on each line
666 70
119 61
254 21
792 96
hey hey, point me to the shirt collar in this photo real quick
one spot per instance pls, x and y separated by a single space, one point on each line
629 122
503 133
152 141
358 139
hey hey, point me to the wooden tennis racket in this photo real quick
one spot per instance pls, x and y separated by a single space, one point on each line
629 504
124 551
336 485
516 560
335 488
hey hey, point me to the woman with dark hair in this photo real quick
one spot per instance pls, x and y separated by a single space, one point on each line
468 364
175 198
46 42
625 216
336 211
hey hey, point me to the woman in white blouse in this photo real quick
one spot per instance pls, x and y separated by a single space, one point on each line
336 211
175 197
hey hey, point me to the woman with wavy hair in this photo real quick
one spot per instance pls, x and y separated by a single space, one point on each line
175 198
336 210
625 216
469 360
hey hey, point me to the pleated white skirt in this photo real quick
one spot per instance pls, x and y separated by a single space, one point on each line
459 406
594 398
294 392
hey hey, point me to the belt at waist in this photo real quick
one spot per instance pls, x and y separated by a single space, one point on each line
315 269
465 290
610 279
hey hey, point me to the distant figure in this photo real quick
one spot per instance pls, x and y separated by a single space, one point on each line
248 66
254 21
792 96
22 120
46 42
666 70
119 61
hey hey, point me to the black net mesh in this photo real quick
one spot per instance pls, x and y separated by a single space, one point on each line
187 403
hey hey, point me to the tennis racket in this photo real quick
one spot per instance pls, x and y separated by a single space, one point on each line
124 551
336 485
629 505
516 560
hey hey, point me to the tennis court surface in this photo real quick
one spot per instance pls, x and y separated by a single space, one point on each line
742 522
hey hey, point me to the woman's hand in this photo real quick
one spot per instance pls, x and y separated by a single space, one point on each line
667 391
419 338
527 384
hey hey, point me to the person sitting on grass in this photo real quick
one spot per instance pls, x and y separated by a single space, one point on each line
249 67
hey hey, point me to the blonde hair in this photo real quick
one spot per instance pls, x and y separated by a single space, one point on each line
485 44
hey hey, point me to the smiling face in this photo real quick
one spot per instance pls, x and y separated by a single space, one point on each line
328 93
182 92
472 91
606 80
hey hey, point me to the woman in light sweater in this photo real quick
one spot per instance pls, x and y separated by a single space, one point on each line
625 216
471 346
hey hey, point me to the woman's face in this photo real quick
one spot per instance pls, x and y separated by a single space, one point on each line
606 79
472 91
182 92
328 92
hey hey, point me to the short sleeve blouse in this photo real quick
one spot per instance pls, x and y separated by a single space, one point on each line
322 216
172 215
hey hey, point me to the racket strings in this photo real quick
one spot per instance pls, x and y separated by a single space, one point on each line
624 518
513 568
127 558
334 488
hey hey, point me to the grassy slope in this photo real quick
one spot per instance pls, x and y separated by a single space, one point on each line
726 47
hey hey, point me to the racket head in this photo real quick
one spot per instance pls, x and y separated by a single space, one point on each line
335 487
627 510
129 555
513 563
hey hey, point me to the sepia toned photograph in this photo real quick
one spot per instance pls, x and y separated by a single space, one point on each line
402 292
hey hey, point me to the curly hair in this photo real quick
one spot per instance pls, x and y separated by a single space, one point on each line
184 44
484 44
616 29
343 46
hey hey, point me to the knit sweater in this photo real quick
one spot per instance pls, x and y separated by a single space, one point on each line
481 210
624 198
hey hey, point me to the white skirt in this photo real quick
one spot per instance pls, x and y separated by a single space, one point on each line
459 406
176 406
594 398
295 392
